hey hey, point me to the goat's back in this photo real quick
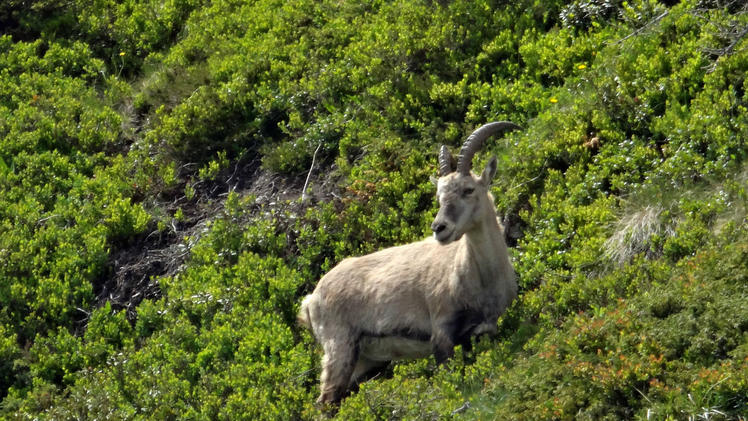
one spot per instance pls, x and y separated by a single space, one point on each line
383 290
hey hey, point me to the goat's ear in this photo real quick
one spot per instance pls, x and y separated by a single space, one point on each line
489 172
433 180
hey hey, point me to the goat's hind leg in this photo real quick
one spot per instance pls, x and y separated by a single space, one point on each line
340 357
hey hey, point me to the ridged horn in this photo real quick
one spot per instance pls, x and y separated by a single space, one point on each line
475 141
446 161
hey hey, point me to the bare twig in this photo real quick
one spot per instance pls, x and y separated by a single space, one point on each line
465 406
726 51
45 219
542 170
309 174
647 25
741 35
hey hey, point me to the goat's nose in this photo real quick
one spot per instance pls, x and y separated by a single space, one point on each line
438 227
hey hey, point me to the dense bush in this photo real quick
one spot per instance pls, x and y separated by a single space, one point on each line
155 150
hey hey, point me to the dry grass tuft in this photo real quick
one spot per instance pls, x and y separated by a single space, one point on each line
634 234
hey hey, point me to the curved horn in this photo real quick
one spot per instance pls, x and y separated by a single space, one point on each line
475 141
446 161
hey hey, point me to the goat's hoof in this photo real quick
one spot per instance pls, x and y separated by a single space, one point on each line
329 408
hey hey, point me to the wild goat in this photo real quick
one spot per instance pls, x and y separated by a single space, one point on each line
420 298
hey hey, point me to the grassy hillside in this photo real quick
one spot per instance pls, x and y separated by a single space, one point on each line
155 247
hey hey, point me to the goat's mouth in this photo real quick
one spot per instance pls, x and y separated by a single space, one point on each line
446 236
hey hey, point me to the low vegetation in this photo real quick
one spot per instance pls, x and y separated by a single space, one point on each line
155 249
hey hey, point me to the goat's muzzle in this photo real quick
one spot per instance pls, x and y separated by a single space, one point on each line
442 232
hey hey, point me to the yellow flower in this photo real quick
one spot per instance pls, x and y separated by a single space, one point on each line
553 100
121 53
582 66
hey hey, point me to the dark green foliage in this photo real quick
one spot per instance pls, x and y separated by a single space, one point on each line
678 346
164 144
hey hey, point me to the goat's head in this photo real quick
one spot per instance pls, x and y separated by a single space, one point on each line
460 192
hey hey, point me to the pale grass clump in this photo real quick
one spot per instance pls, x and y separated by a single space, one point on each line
635 232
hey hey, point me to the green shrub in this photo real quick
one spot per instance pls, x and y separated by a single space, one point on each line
130 134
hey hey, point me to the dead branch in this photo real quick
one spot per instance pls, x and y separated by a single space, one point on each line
309 174
647 25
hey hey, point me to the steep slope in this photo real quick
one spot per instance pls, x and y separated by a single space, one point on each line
154 248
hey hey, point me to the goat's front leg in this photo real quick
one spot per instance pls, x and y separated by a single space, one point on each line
442 342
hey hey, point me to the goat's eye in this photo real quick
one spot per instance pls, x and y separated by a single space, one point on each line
468 191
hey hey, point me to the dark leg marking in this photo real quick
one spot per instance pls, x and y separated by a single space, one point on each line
462 325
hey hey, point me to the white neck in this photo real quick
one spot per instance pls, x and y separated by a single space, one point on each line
486 246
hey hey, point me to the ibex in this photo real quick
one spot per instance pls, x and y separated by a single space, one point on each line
421 298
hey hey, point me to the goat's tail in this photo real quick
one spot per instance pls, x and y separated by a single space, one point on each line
304 317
